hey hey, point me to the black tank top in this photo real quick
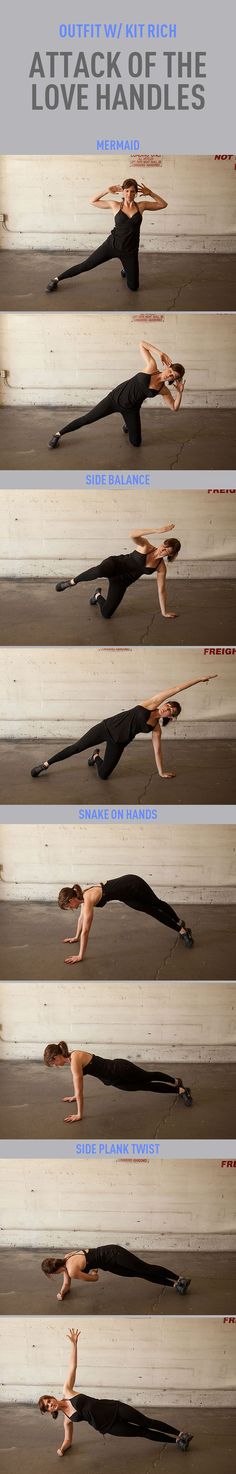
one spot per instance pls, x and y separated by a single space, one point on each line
132 565
126 725
132 392
116 890
95 1258
126 232
105 1070
100 1413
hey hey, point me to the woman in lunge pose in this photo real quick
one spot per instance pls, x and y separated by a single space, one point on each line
123 241
117 1072
130 890
124 569
104 1414
120 730
126 399
86 1264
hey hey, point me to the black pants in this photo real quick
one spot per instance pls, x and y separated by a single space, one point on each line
117 586
129 1423
101 411
134 892
96 734
117 1260
124 1075
107 252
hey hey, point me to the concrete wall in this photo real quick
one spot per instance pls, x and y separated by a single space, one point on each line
192 862
62 693
143 1360
47 532
179 1205
80 360
179 1020
46 201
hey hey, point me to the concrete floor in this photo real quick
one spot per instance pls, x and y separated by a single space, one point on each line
212 1290
196 439
30 1442
205 773
32 613
199 282
121 945
31 1100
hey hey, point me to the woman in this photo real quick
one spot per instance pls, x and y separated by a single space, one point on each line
105 1415
130 890
123 241
120 730
126 399
126 568
118 1072
85 1265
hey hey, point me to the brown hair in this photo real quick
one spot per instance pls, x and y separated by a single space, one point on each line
176 709
173 543
179 370
51 1051
67 894
44 1409
51 1266
130 184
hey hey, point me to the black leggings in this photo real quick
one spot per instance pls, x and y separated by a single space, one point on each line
129 1423
107 407
120 1261
124 1075
107 252
96 734
117 586
134 892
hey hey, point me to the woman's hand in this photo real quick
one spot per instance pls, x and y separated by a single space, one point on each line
73 959
143 189
168 775
209 678
73 1335
70 939
68 1098
181 386
93 1274
169 614
72 1118
114 188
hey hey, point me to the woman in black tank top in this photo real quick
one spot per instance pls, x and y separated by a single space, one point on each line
120 730
105 1415
125 569
123 241
126 399
88 1264
129 890
117 1072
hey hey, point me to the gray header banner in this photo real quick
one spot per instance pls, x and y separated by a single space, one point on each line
121 1151
149 84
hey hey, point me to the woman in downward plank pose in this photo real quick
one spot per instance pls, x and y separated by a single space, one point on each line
118 1072
105 1415
126 399
130 890
123 241
120 730
124 569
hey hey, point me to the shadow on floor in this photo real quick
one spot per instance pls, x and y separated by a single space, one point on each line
212 1290
30 1442
31 613
122 946
195 439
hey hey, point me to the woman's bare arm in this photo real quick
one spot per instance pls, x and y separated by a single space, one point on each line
77 1074
157 747
101 199
147 354
66 1285
87 919
78 930
73 1337
162 595
68 1438
173 403
173 690
142 531
151 200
